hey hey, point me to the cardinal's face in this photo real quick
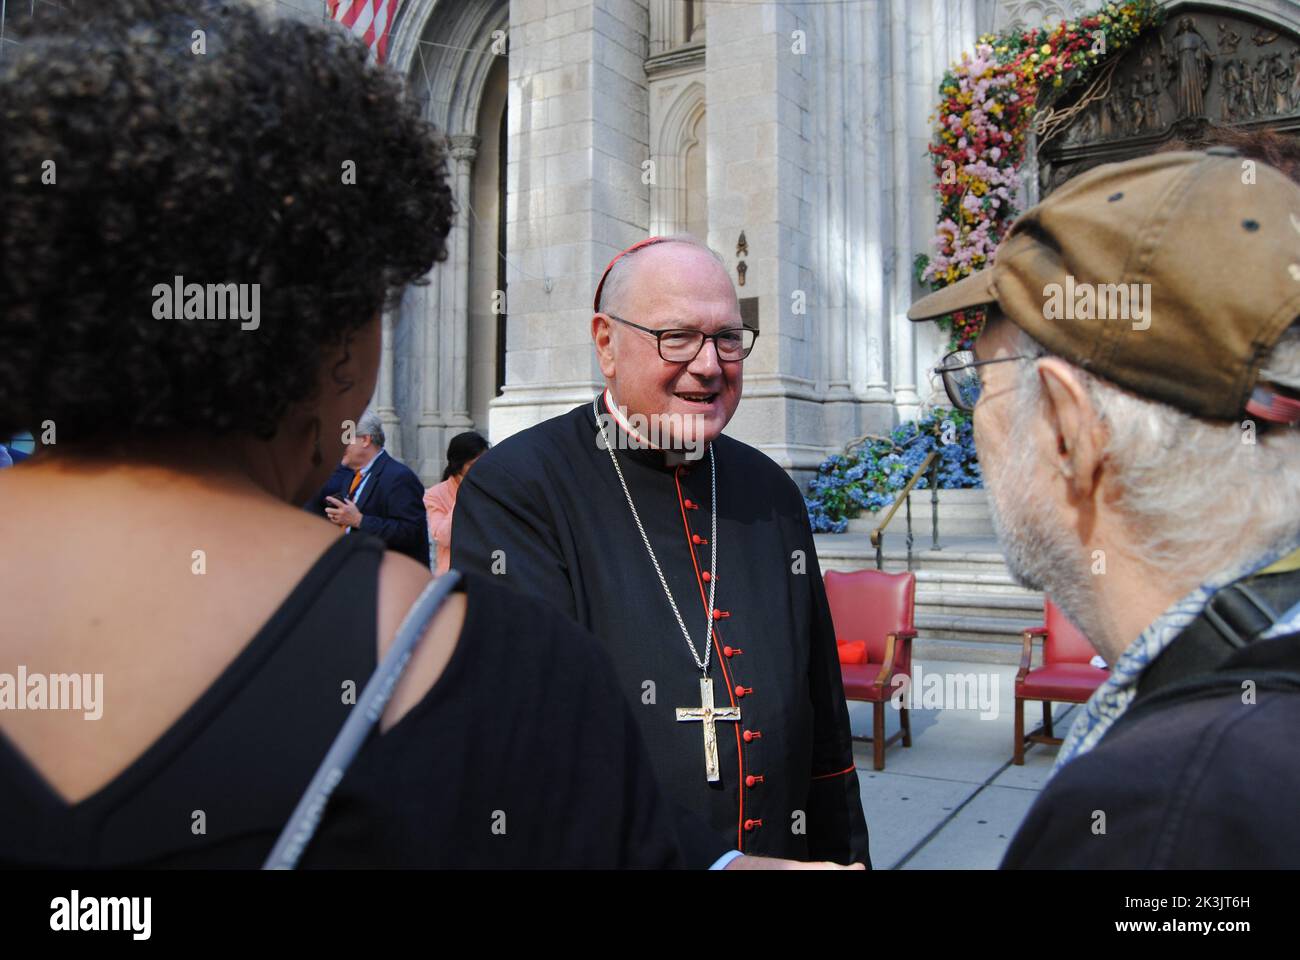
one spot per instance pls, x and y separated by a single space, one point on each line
680 287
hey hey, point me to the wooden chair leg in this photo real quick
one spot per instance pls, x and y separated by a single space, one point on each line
1018 754
1047 718
905 721
878 734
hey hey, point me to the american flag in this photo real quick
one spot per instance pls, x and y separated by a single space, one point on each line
368 19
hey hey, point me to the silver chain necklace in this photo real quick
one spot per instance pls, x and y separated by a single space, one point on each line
701 662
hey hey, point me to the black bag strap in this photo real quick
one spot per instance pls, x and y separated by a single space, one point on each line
1209 684
1235 617
300 829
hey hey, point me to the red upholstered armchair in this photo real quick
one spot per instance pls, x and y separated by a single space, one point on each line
874 615
1066 676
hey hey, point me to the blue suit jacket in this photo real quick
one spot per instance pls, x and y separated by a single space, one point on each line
391 505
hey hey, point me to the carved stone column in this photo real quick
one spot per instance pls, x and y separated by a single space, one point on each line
464 148
578 139
902 367
426 315
864 47
661 26
383 400
444 394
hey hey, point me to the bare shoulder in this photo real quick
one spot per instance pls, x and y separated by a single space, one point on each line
401 580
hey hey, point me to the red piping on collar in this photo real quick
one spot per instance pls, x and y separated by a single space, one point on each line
622 422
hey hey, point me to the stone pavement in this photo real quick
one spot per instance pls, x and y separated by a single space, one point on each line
953 800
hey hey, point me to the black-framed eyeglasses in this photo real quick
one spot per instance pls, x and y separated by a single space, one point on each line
961 378
683 346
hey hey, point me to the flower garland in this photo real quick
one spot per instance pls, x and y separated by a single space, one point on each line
981 129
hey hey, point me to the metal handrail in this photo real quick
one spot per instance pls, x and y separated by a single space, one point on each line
930 463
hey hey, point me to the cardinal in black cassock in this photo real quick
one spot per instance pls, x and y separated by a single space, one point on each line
759 758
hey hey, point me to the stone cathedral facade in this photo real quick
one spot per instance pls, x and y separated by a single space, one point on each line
789 136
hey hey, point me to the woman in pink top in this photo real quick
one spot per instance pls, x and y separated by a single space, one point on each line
440 499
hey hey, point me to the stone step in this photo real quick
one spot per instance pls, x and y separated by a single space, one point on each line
968 651
946 626
970 581
1027 606
941 561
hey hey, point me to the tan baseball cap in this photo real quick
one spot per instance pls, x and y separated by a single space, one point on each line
1171 275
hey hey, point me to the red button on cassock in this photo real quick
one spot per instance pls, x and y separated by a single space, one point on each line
751 824
729 651
751 780
721 614
706 576
741 691
696 538
689 505
752 735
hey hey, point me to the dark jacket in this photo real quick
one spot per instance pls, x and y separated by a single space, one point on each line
1201 773
391 505
544 513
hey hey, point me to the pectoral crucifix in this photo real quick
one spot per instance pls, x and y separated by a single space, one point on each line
708 714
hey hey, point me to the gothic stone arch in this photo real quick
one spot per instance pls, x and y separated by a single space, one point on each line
675 137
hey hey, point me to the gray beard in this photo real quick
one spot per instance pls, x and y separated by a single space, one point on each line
1040 553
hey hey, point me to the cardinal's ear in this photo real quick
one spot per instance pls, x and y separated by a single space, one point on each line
602 335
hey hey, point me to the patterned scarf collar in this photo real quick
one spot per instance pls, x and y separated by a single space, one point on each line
1112 698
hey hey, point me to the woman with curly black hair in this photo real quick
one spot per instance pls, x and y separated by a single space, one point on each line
195 249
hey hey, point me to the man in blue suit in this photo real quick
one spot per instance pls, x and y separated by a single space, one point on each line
372 492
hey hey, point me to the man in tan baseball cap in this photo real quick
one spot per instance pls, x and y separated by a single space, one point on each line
1136 391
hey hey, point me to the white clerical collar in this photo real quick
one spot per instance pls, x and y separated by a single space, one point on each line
621 419
670 457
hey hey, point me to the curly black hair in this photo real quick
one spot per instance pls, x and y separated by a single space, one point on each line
224 166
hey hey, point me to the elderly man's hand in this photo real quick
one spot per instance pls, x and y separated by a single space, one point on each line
746 862
343 512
